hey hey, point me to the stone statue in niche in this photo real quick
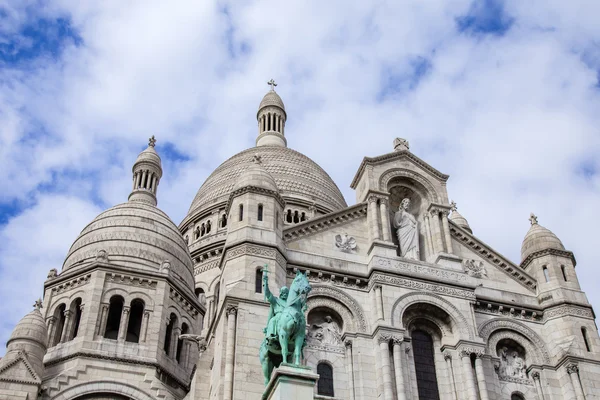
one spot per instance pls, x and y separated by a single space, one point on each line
475 268
512 364
327 332
407 231
345 243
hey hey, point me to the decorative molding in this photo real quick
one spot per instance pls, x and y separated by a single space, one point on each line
387 176
21 357
255 250
474 268
319 347
325 222
343 298
494 258
548 252
206 267
467 351
181 300
488 327
318 276
72 284
131 280
521 381
509 311
567 309
423 286
405 267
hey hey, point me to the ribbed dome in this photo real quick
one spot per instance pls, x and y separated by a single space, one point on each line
31 327
296 176
539 238
255 175
136 235
271 99
148 155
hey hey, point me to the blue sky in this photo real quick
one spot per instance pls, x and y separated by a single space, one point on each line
501 95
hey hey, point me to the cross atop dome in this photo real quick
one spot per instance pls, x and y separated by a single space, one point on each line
533 219
152 141
272 84
453 206
38 304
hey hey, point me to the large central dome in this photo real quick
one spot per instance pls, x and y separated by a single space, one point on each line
298 178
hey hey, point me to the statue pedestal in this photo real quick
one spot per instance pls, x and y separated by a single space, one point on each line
291 382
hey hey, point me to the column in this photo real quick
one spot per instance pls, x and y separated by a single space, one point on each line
134 180
144 327
123 325
209 314
373 220
350 368
436 231
51 333
483 393
174 342
446 227
385 220
384 351
468 372
398 373
428 238
448 358
67 326
103 319
378 301
154 179
143 182
538 384
573 371
230 352
138 178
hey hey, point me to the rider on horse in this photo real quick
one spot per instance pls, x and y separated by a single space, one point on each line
277 305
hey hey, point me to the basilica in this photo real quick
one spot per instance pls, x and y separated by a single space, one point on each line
406 301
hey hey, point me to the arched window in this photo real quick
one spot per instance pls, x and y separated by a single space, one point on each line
59 315
277 219
296 217
208 226
269 122
258 280
134 327
289 216
564 272
585 339
427 386
184 330
201 295
260 212
115 310
325 384
169 332
303 217
546 275
203 230
76 315
224 221
517 396
241 212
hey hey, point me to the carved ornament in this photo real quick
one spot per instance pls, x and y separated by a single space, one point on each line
423 286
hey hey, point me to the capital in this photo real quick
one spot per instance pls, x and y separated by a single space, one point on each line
348 343
67 313
372 199
232 310
464 353
447 356
384 338
397 340
572 369
434 212
535 375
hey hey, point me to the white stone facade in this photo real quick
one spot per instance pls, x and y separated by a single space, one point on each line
145 310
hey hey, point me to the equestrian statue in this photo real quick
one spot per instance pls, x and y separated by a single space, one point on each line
286 327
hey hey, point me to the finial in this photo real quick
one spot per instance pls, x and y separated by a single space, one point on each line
401 144
266 269
453 206
38 304
533 219
272 84
152 141
257 159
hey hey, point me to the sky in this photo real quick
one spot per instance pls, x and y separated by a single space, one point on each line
503 96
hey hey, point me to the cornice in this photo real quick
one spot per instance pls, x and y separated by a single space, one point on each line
510 310
393 156
487 253
325 222
548 252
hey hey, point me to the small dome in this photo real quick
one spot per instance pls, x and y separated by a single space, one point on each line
136 235
255 175
31 328
271 99
458 219
539 238
149 155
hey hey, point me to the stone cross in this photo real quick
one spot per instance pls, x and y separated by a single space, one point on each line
453 206
38 304
272 84
152 141
257 159
533 219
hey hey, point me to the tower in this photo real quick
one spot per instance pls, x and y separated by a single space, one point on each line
271 118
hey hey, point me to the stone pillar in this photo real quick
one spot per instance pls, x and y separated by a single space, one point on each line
386 370
385 221
291 382
448 358
428 238
378 301
373 218
468 372
230 353
573 371
538 385
138 178
124 323
446 227
436 231
174 342
51 332
483 393
103 319
143 183
350 368
398 373
66 326
144 327
209 314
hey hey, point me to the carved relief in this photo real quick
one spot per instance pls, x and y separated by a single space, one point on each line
474 268
426 287
353 306
324 329
102 256
345 243
512 359
487 328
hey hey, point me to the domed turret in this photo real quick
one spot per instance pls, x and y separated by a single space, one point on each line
271 118
458 219
147 171
539 238
255 175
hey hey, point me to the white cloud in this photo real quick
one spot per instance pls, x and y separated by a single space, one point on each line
511 118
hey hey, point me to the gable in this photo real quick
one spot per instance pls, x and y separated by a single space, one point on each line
18 369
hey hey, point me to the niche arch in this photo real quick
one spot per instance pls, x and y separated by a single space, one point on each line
102 388
349 309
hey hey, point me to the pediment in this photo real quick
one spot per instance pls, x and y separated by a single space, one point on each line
18 370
